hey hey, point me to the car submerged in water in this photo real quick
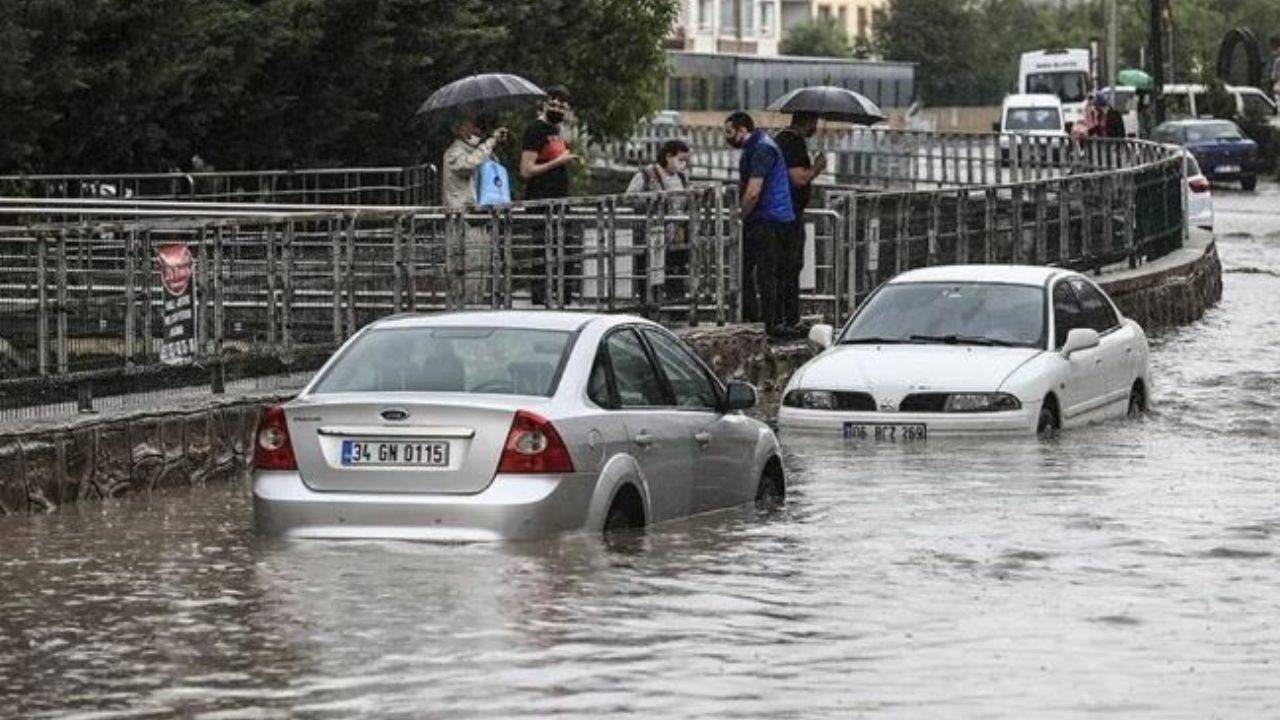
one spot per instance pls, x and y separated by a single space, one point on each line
508 425
972 350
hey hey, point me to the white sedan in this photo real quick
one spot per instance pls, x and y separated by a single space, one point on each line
984 349
508 425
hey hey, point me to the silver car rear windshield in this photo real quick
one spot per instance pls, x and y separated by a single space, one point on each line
960 313
503 361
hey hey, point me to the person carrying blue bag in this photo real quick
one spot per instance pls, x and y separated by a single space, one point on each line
472 176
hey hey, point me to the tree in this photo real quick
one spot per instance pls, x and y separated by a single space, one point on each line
816 39
104 85
941 37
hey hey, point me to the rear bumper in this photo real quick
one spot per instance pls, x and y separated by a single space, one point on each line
513 507
1016 422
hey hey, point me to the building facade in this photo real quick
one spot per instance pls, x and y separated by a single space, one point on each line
857 17
744 27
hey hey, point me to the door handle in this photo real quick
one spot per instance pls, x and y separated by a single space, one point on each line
644 439
702 438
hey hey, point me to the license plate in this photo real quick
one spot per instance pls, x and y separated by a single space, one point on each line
1227 169
904 432
386 452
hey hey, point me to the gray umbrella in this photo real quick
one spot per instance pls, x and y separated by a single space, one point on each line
490 92
830 103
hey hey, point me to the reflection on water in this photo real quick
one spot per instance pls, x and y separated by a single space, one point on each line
1130 569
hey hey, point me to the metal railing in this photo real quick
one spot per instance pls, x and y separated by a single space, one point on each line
903 159
404 186
82 301
280 285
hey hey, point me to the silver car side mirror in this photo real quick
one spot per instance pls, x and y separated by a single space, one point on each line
1080 339
740 396
820 336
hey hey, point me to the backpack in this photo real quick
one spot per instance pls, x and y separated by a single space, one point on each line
652 183
493 186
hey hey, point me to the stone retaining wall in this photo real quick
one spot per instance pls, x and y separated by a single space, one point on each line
1176 296
95 457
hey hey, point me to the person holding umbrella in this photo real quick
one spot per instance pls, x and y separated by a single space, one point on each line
793 140
466 153
807 105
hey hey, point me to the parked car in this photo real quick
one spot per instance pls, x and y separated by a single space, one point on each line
1221 149
1038 120
972 350
515 425
1199 200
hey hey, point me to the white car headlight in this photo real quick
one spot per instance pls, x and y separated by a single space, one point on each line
981 402
811 399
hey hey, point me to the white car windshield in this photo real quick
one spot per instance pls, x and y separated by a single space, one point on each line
952 313
1070 87
505 361
1032 119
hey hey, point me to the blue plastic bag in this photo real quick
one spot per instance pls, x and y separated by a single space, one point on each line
493 187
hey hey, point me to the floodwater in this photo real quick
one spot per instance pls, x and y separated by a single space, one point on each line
1126 570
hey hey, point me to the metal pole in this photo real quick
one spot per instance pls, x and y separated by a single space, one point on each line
42 304
1155 42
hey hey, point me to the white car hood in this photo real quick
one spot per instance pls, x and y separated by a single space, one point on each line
890 372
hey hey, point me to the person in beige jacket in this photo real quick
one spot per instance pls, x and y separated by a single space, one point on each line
458 190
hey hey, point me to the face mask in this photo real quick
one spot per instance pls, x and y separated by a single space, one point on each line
554 116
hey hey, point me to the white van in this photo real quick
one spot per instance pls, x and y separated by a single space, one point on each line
1035 116
1064 73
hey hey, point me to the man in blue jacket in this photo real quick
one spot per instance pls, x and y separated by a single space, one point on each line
766 214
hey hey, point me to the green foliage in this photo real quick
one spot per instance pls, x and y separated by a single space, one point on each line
968 50
816 39
142 85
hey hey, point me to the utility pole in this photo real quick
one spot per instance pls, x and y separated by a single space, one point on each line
1112 43
1155 41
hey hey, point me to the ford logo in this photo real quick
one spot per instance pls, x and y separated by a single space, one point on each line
395 415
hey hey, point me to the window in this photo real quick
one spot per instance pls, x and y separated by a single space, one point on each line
1257 105
1033 119
766 18
863 28
991 313
748 14
1098 313
689 382
1177 105
633 374
505 361
706 14
1070 87
1067 313
598 389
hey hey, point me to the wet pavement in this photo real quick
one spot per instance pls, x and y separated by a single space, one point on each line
1125 570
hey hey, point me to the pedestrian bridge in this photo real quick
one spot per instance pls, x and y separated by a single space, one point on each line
287 264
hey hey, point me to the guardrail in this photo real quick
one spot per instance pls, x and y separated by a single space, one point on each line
278 286
405 186
884 158
83 298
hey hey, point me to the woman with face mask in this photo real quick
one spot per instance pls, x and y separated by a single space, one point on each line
665 265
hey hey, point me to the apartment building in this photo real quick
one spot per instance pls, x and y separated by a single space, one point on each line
857 17
743 27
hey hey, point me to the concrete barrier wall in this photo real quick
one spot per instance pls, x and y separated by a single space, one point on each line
48 467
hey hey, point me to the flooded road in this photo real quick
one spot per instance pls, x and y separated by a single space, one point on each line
1125 570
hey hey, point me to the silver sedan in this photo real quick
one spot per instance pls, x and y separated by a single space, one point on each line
508 425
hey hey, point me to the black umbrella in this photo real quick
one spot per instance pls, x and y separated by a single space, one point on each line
471 96
830 103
